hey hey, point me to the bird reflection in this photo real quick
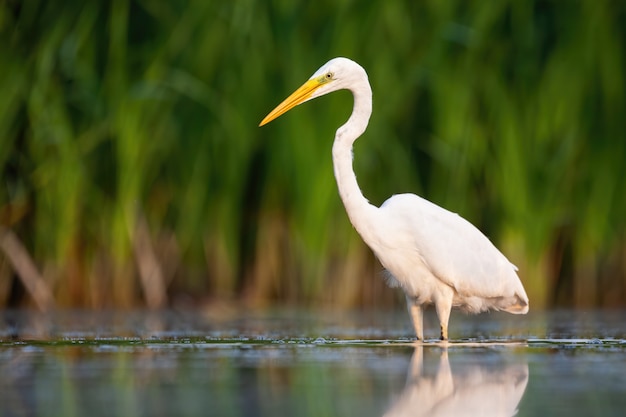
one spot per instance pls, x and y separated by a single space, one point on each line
473 390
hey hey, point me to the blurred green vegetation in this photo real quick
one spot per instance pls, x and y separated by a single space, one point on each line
131 158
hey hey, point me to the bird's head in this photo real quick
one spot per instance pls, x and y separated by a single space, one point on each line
336 74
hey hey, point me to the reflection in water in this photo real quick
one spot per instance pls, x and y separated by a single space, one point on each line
186 363
474 390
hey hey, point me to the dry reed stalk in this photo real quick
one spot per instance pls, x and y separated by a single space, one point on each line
26 269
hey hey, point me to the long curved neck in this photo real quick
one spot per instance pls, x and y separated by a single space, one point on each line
355 203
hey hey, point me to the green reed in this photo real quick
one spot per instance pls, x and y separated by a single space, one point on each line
123 118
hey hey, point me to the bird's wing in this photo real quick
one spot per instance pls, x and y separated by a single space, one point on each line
454 250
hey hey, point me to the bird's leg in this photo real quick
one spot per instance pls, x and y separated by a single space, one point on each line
443 307
417 317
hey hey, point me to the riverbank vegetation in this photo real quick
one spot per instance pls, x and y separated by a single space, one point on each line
134 173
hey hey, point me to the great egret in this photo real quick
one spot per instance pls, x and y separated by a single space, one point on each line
434 255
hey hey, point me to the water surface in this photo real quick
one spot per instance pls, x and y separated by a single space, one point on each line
310 363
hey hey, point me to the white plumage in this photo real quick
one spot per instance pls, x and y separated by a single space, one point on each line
434 255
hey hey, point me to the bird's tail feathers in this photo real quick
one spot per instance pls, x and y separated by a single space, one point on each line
516 305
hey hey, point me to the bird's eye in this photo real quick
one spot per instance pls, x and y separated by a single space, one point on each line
326 78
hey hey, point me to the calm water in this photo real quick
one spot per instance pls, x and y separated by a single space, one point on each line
288 363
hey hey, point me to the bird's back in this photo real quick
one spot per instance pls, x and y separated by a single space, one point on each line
453 251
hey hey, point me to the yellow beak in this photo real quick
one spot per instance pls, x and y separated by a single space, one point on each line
299 96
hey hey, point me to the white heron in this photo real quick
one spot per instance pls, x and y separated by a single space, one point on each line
434 255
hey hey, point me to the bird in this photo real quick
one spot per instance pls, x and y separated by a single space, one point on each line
434 255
